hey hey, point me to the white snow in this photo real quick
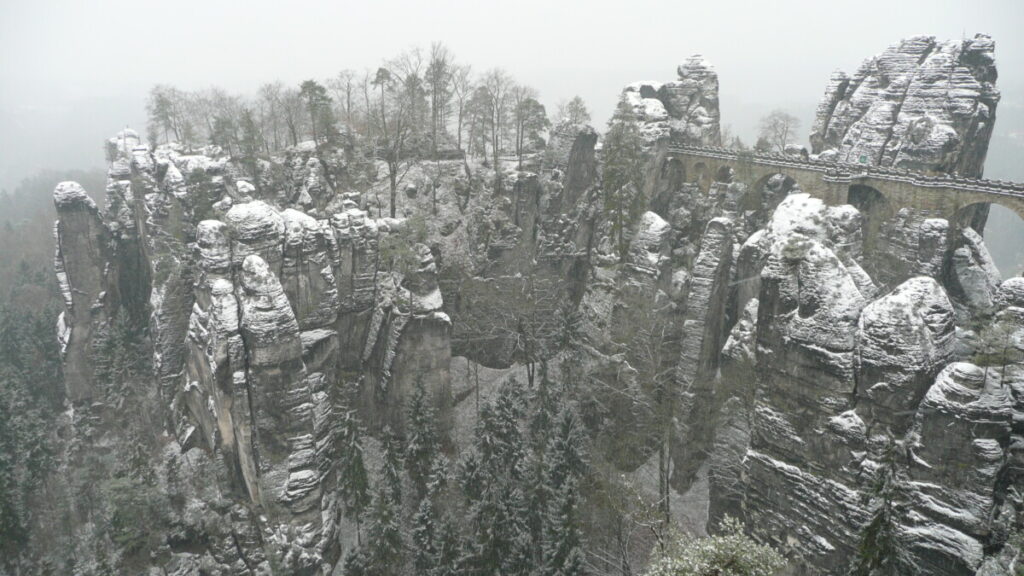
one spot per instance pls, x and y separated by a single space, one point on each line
68 193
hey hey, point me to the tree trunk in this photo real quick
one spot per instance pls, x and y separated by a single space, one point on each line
494 142
458 131
393 166
291 129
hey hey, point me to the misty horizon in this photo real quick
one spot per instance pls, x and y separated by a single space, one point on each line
71 81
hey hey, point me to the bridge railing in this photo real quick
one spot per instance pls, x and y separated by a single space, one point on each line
844 171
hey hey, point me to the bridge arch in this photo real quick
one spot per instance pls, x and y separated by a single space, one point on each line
768 191
1002 228
701 176
877 213
761 197
875 210
671 176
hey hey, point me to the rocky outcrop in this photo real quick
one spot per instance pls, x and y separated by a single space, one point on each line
254 317
921 105
410 344
972 276
738 346
809 306
702 333
903 340
528 248
278 393
861 316
83 250
685 110
959 432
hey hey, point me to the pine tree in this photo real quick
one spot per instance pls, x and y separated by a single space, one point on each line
566 453
435 540
384 538
543 410
499 438
565 467
882 550
622 176
421 442
353 482
391 466
355 562
437 481
492 481
424 537
563 555
249 146
225 133
471 477
447 549
537 494
542 420
321 115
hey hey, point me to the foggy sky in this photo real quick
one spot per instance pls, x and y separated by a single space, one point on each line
74 72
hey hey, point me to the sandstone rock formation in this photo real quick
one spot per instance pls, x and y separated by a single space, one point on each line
248 314
921 104
854 346
686 110
751 352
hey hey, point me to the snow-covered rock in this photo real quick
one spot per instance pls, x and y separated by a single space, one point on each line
974 277
921 104
903 340
685 109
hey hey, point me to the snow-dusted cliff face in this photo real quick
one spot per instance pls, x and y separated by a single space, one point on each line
254 314
920 105
737 348
855 346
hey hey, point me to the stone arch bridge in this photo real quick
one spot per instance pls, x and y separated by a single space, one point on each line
932 195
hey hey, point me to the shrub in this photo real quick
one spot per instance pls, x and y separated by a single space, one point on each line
730 554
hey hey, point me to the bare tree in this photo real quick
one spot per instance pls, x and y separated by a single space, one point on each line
574 111
732 140
269 98
497 84
294 111
478 111
371 124
529 117
209 105
394 119
439 84
409 68
778 127
167 109
462 87
997 345
343 87
654 340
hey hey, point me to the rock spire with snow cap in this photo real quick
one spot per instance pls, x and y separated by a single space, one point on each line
685 109
921 105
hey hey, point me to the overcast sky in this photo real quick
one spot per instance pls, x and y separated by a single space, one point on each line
73 72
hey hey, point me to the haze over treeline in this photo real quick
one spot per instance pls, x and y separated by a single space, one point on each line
74 73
